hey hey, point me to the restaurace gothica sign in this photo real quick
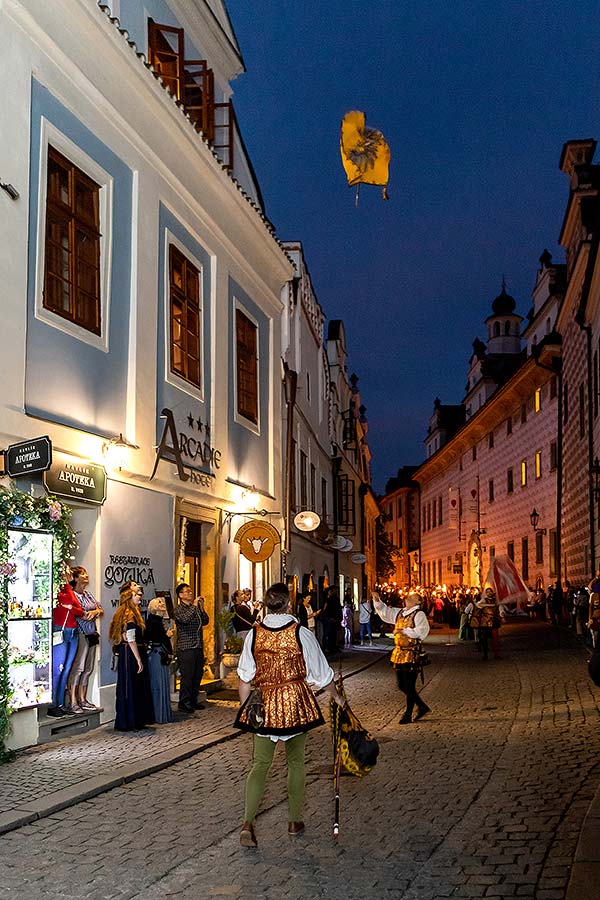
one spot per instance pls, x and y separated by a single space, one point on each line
181 449
76 479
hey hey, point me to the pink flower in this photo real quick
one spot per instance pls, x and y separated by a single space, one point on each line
8 569
54 511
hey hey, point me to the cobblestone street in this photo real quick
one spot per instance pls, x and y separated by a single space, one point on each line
485 797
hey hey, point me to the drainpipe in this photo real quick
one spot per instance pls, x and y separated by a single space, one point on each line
557 370
336 464
290 383
588 332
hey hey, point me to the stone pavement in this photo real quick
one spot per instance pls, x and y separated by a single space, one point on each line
489 796
53 776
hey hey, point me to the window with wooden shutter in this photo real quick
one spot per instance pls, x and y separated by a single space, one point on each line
184 290
165 54
247 367
346 511
72 249
193 83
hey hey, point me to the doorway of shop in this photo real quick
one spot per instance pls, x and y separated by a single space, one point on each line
193 556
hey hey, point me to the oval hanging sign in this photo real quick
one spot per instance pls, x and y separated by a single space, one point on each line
257 540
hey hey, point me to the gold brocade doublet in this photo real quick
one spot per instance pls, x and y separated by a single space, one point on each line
486 617
405 648
290 706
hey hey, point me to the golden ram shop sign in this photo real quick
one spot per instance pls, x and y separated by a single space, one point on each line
257 540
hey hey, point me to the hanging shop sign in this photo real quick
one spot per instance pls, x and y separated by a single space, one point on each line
28 457
76 479
186 450
257 540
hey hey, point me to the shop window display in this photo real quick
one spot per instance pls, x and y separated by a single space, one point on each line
29 614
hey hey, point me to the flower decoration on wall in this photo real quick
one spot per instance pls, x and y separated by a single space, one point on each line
19 510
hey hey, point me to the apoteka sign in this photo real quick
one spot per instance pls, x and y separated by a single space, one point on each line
76 479
257 540
28 457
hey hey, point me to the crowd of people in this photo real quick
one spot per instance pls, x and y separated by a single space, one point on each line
142 651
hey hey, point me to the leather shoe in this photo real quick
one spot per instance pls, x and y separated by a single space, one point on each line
295 828
199 706
405 720
422 711
247 835
185 709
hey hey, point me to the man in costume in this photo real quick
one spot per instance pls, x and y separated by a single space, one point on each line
282 658
486 618
410 628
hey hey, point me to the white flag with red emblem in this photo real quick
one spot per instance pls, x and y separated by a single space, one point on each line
506 581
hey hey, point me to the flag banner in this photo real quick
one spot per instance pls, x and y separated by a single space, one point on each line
453 496
365 152
505 580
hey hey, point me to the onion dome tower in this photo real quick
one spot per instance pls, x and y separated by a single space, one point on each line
504 325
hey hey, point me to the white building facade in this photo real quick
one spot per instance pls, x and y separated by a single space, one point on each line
142 292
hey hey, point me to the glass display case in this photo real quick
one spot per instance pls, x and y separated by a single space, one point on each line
30 617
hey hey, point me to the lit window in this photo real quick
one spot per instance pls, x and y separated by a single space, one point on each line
524 473
538 400
184 291
538 464
247 367
72 259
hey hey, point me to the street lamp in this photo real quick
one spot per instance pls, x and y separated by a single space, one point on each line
534 518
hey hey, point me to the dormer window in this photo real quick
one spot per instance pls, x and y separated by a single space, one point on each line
192 83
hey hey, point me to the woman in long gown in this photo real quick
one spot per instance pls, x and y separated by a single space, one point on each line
160 652
134 708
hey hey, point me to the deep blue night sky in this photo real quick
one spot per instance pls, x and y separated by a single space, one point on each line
476 100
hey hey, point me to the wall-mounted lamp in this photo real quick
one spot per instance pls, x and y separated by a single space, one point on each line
10 190
534 518
595 473
251 498
115 451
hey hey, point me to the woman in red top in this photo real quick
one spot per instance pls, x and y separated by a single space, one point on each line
64 625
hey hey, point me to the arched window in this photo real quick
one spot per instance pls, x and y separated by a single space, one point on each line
496 329
507 328
548 326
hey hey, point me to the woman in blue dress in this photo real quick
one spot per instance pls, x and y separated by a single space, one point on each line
160 654
134 708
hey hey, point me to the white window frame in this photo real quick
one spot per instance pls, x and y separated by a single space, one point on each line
51 136
171 377
238 419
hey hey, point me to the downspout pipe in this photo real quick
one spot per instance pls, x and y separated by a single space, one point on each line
556 370
588 333
290 382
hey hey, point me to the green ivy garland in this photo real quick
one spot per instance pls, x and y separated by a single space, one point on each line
49 514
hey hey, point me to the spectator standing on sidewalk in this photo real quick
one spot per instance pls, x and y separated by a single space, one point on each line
365 611
160 654
348 622
190 618
87 642
133 708
64 623
410 628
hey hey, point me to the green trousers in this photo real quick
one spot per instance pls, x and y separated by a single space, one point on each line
264 750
